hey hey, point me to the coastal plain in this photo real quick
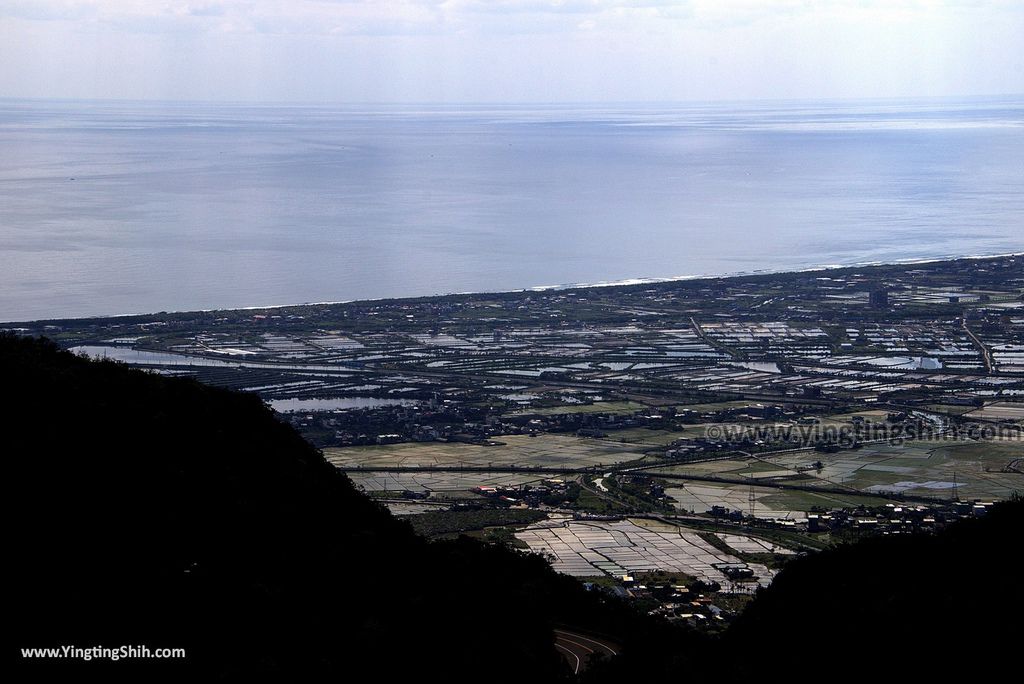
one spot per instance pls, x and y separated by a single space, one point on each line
799 406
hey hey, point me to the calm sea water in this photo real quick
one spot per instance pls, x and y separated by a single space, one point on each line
110 208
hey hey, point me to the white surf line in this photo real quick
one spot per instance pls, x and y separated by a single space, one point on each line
911 261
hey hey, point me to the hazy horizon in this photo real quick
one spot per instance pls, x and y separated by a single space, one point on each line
952 98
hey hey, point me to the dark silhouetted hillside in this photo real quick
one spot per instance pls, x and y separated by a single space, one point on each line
920 607
158 511
942 607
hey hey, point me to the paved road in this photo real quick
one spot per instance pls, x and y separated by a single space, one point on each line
986 353
577 648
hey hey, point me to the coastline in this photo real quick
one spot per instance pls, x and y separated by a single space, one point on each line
629 282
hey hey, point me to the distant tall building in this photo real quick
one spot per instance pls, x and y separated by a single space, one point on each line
879 298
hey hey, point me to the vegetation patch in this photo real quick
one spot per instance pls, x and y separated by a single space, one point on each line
441 523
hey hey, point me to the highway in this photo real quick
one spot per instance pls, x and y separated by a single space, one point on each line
986 353
577 649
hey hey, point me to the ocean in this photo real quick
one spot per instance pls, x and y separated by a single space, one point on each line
131 207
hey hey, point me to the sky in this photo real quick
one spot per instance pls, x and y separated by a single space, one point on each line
509 50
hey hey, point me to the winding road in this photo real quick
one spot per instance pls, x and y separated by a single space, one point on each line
577 648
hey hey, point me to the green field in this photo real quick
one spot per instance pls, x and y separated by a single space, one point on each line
920 468
520 450
648 438
596 407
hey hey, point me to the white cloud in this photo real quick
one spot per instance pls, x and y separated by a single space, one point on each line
333 16
509 49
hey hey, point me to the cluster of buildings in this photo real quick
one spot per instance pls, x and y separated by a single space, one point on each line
893 518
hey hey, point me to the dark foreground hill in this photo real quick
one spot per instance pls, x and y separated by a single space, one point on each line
943 608
158 511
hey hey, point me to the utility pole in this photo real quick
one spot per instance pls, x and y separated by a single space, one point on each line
751 500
